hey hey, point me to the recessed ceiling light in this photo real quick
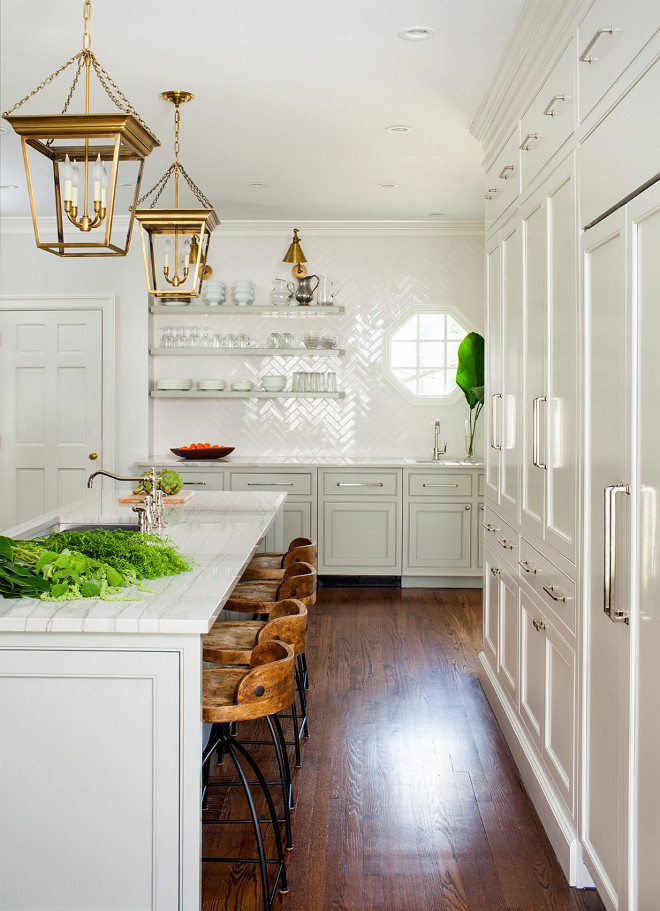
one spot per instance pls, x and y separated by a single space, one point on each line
8 186
387 186
257 186
398 128
417 33
437 215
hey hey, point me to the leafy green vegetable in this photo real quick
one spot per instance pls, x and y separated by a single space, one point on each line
168 481
147 556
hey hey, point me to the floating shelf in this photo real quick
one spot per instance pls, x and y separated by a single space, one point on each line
230 394
248 352
223 309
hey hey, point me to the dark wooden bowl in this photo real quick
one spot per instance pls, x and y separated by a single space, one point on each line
216 452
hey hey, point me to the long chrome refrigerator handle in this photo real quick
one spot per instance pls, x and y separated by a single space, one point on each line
536 430
493 421
617 615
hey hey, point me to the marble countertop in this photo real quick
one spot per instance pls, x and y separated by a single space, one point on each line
217 531
289 461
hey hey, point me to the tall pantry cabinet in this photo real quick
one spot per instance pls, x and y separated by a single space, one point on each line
572 512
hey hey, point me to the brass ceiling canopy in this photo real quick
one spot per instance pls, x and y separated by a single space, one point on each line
175 241
295 255
91 155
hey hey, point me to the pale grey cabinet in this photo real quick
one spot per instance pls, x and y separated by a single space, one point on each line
300 489
441 515
360 522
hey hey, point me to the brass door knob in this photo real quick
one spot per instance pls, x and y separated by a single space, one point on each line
93 455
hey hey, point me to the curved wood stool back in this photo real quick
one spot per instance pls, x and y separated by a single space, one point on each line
231 694
232 643
260 597
272 566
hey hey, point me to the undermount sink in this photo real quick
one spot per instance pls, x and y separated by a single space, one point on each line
63 526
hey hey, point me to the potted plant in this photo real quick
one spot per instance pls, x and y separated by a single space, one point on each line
470 377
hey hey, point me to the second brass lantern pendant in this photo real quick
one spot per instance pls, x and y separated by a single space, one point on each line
86 164
175 241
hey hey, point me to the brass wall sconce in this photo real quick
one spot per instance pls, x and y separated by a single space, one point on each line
295 255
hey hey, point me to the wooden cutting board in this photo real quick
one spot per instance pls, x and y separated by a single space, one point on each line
181 497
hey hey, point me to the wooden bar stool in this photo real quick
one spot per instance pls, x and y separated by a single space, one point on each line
272 566
232 642
234 694
260 597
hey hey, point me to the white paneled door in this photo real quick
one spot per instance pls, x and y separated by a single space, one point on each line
51 408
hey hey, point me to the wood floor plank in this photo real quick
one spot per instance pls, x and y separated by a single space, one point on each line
408 798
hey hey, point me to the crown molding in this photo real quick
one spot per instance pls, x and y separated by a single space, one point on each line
542 33
320 228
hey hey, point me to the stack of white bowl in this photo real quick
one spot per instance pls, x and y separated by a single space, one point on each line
210 385
214 292
170 384
243 292
273 383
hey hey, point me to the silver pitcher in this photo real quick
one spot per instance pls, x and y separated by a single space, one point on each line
305 291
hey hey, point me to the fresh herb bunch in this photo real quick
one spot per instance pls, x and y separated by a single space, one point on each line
148 556
30 569
168 481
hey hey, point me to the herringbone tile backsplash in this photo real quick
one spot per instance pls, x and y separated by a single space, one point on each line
379 278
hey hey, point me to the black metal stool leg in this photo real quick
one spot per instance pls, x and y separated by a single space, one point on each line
304 727
285 757
285 782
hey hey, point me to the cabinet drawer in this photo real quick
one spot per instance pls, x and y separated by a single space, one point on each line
211 480
439 484
503 179
501 536
282 482
554 588
360 483
609 37
549 120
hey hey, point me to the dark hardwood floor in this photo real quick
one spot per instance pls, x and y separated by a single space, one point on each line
408 799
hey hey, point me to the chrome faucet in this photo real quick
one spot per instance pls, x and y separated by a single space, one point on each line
150 511
437 452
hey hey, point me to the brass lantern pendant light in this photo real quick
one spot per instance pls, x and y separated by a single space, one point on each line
175 242
83 163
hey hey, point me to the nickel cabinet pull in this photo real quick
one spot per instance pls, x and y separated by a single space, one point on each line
270 483
538 625
359 483
530 142
491 193
507 545
552 591
439 485
495 571
550 109
493 421
617 615
527 566
507 172
489 527
585 56
536 430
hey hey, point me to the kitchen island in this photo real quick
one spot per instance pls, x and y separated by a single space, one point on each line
100 718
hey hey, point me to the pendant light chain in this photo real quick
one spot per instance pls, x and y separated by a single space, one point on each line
86 57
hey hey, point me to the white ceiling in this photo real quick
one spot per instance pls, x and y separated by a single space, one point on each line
296 94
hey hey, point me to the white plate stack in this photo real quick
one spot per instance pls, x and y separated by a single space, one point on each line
172 384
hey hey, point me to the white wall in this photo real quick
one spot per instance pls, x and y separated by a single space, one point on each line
380 273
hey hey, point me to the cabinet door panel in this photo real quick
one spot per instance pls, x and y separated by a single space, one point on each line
510 328
439 535
607 436
558 732
493 370
491 607
297 523
532 671
508 635
560 455
533 358
363 537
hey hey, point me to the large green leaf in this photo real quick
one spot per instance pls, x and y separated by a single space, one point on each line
470 372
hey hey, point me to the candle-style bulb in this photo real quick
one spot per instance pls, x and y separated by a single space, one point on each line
67 178
75 181
97 178
166 258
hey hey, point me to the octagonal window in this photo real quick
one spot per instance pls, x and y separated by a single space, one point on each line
421 352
